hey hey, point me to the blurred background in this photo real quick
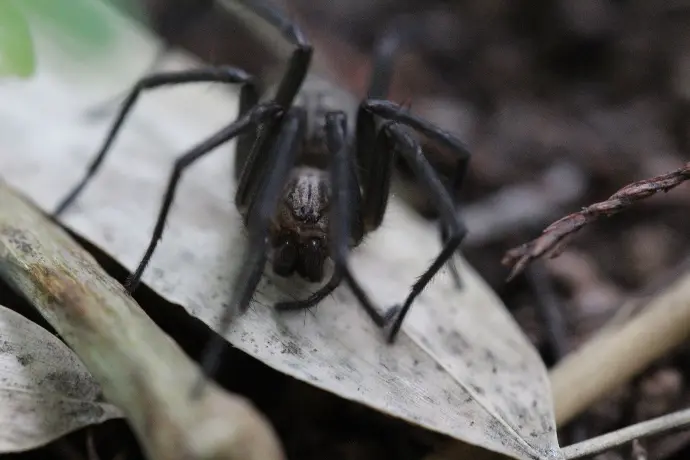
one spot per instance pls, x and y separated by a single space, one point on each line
562 102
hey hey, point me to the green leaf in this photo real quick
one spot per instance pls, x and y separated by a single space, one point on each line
16 45
86 22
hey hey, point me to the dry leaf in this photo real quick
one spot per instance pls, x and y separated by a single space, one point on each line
139 368
461 367
45 391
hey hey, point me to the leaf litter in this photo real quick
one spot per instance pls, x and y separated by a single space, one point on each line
45 390
462 366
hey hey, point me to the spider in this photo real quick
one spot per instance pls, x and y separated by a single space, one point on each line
310 187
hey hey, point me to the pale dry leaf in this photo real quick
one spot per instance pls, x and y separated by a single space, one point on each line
461 366
45 390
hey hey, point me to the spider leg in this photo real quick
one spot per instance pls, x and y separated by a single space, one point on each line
299 62
391 111
257 115
413 154
400 32
456 182
344 186
376 162
290 83
314 298
229 75
280 160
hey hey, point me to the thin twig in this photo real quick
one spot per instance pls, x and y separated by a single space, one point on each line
675 421
553 238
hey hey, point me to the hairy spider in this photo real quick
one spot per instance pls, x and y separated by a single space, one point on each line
309 187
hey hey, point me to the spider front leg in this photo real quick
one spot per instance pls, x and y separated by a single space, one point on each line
376 170
456 231
273 170
259 114
391 111
291 82
227 75
348 227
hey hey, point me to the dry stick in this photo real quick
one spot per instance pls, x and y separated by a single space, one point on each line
553 238
674 421
619 352
612 357
141 370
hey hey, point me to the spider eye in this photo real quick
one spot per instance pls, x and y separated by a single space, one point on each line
285 257
311 260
